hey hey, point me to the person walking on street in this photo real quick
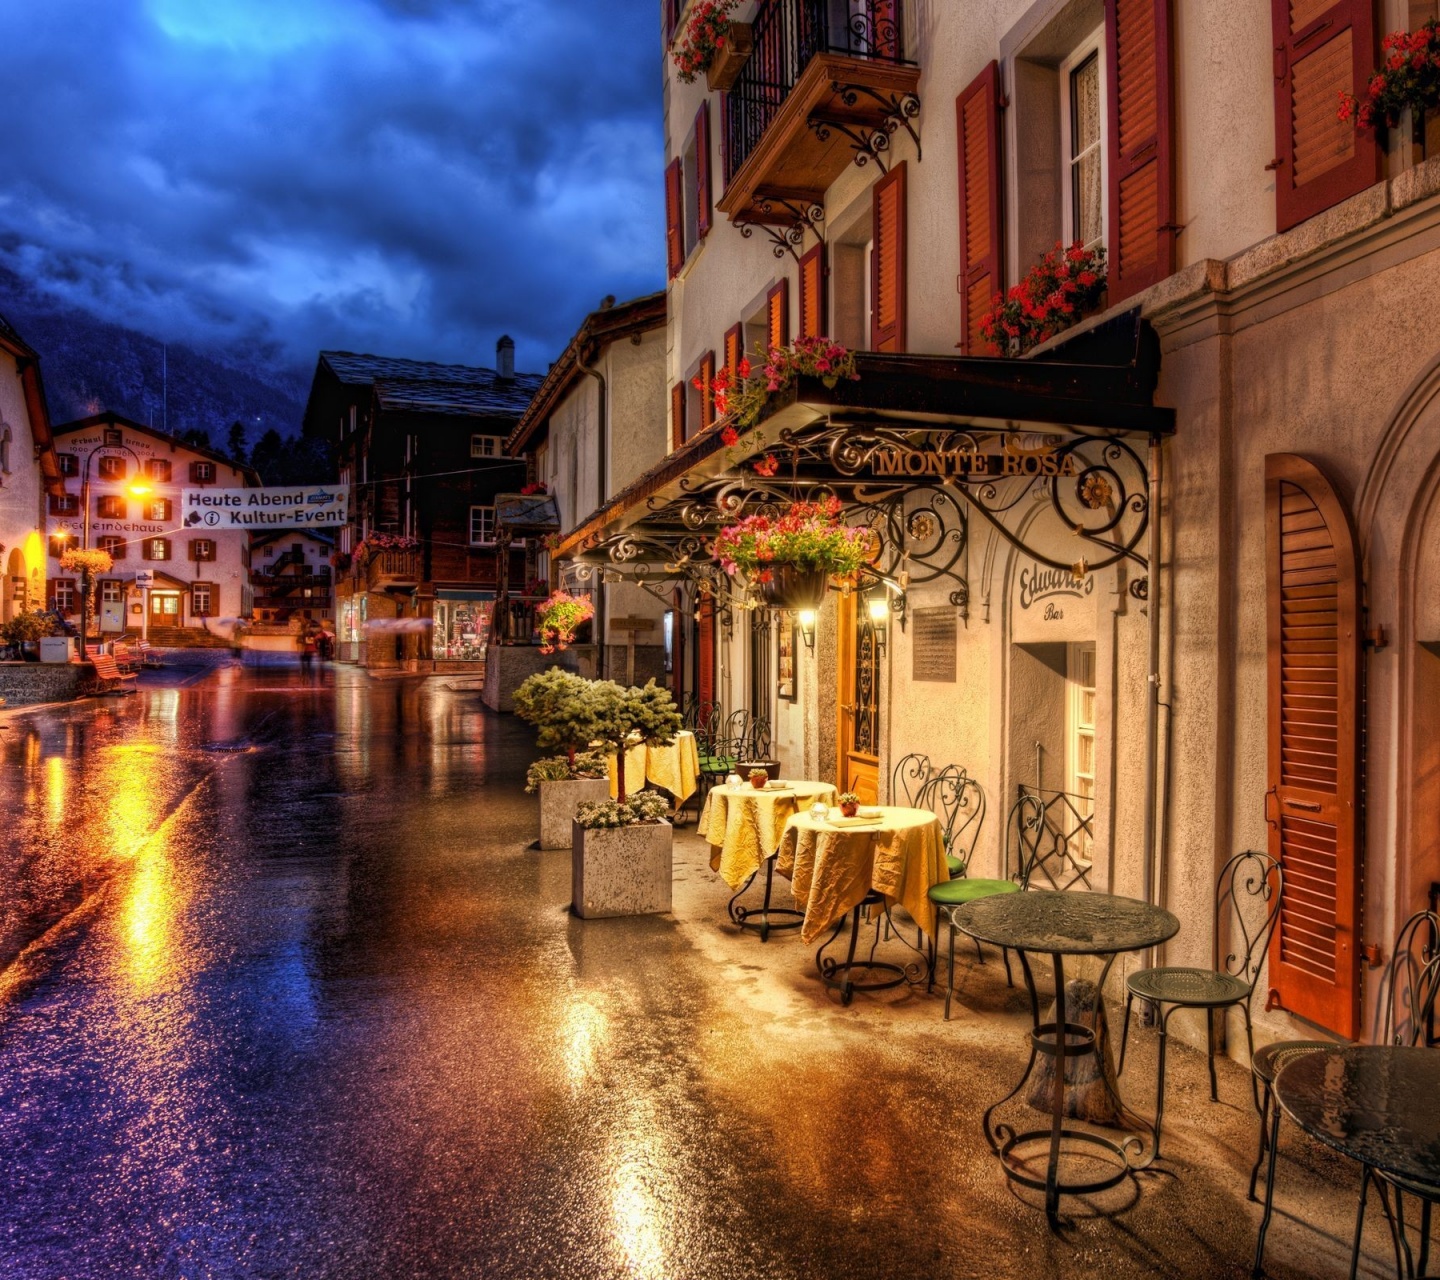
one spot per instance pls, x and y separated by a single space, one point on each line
307 651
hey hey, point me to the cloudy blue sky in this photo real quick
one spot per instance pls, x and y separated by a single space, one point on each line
408 176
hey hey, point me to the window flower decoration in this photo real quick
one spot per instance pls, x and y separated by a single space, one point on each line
1408 77
705 35
1058 291
375 542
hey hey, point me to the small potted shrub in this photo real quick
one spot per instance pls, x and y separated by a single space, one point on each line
849 803
758 779
555 702
622 854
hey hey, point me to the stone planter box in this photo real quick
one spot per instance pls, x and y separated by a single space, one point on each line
57 649
558 802
622 871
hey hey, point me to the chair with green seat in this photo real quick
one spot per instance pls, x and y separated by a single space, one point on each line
1024 828
1410 986
1248 894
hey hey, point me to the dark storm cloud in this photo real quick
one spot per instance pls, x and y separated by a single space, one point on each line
412 176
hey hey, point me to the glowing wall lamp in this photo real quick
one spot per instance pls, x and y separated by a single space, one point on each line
807 627
880 622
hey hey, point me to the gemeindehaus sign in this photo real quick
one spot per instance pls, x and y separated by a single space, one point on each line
964 464
299 507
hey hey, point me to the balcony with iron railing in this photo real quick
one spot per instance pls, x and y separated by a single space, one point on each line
827 83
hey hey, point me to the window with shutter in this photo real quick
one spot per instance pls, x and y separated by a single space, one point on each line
1140 143
202 473
703 208
812 292
674 219
1314 695
677 415
977 122
734 352
1321 49
887 263
777 314
707 391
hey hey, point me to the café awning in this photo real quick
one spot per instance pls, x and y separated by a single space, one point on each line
1050 452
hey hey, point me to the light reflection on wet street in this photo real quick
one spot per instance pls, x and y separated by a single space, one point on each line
318 1010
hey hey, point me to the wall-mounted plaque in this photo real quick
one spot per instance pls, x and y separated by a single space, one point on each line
936 633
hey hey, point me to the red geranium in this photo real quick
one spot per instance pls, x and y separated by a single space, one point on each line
1065 284
1409 79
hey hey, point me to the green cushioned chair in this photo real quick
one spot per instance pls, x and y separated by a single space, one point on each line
1027 822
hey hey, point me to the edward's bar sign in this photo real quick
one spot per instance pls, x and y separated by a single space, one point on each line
970 464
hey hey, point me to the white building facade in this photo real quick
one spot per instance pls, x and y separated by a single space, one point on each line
134 478
28 470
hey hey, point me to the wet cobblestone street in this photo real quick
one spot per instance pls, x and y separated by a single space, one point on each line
294 997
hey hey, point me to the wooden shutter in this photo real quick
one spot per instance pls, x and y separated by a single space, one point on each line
734 352
1313 603
1140 144
1321 48
707 391
677 415
674 219
812 292
982 223
702 169
705 653
777 315
887 263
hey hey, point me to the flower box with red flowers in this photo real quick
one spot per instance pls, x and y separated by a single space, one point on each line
713 46
1409 78
1064 286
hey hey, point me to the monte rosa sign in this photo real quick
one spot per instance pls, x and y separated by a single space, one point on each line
965 464
310 507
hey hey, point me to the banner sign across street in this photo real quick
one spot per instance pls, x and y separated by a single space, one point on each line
304 507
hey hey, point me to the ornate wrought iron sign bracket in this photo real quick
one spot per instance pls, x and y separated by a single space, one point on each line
871 129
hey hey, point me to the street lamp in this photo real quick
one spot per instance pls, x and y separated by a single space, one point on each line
136 488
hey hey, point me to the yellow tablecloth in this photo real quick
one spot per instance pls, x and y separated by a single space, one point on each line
743 826
676 767
832 868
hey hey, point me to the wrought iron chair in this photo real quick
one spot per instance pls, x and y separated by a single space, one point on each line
1025 825
1063 859
1250 888
1411 981
909 779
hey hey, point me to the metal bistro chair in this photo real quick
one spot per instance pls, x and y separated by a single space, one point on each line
1409 986
1025 825
959 802
1250 888
909 779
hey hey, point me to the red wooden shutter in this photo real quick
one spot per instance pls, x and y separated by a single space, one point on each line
1321 48
707 391
677 415
674 219
982 223
705 653
887 263
812 292
734 351
777 314
702 168
1313 602
1140 147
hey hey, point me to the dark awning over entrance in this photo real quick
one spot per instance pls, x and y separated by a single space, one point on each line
913 449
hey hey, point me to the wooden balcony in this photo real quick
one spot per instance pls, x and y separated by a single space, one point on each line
393 571
823 88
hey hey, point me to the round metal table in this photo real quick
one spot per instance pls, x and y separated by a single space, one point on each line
1376 1104
1060 924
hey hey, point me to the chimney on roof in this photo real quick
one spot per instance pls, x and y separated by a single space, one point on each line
505 358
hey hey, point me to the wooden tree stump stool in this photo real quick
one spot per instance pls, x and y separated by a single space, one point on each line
1090 1093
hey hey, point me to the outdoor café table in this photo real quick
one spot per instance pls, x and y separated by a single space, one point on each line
1060 924
675 767
834 868
743 826
1377 1104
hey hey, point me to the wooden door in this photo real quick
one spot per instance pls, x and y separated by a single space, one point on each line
164 608
858 679
1315 692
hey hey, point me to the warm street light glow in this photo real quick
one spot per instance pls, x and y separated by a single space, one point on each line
138 489
807 627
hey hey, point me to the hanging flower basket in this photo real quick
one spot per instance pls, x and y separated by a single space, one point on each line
789 558
791 587
558 619
91 562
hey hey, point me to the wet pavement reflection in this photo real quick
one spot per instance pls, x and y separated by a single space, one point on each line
301 1001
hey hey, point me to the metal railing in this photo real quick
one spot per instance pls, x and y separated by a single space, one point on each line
787 35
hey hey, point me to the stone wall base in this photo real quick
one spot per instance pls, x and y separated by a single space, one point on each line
26 683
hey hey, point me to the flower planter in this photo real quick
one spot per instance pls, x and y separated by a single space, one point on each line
792 587
621 871
771 767
558 802
731 59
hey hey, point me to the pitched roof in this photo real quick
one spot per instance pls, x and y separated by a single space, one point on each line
597 330
12 341
422 386
252 477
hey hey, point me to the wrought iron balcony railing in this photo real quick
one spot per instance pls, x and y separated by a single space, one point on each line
788 35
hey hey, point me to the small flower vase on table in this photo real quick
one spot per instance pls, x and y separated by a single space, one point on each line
849 804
